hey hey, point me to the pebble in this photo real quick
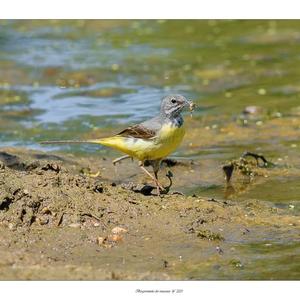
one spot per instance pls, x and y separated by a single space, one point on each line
115 238
119 230
252 110
219 250
74 225
46 211
98 188
11 226
109 240
100 240
43 221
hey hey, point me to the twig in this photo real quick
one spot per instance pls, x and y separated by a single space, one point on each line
60 219
90 215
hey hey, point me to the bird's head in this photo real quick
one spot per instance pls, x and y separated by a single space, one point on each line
172 105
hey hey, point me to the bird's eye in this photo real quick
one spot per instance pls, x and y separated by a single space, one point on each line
173 101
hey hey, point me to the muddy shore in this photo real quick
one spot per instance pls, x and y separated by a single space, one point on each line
61 220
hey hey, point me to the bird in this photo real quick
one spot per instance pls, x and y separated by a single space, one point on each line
150 141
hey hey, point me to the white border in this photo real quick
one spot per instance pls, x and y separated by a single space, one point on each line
221 290
150 9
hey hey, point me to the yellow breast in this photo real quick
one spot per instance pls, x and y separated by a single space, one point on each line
170 137
166 141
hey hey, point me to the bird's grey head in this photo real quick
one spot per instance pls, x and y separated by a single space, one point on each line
172 105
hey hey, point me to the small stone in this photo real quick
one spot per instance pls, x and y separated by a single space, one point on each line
119 230
25 192
100 240
98 188
52 167
147 189
252 110
46 211
74 225
43 221
115 238
11 226
219 250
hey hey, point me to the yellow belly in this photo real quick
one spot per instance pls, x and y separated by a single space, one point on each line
167 140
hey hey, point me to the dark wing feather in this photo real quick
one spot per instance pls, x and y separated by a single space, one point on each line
138 131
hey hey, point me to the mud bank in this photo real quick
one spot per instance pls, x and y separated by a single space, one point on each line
59 220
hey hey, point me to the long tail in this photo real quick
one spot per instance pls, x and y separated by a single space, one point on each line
116 142
73 142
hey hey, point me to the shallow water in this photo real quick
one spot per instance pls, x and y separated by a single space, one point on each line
81 79
98 74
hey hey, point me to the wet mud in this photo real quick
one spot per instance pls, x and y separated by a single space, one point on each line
60 219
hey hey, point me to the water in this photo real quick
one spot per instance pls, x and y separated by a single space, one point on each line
72 71
80 79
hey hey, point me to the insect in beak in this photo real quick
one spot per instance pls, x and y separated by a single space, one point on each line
192 107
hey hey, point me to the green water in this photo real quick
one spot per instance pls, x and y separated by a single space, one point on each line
73 79
60 78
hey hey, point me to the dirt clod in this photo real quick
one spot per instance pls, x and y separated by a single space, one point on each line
209 235
52 167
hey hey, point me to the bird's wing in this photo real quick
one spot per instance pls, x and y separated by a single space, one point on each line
138 131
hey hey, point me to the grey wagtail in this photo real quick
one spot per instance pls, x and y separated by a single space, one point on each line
151 140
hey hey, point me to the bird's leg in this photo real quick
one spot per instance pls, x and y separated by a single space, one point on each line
115 161
169 175
158 185
156 165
